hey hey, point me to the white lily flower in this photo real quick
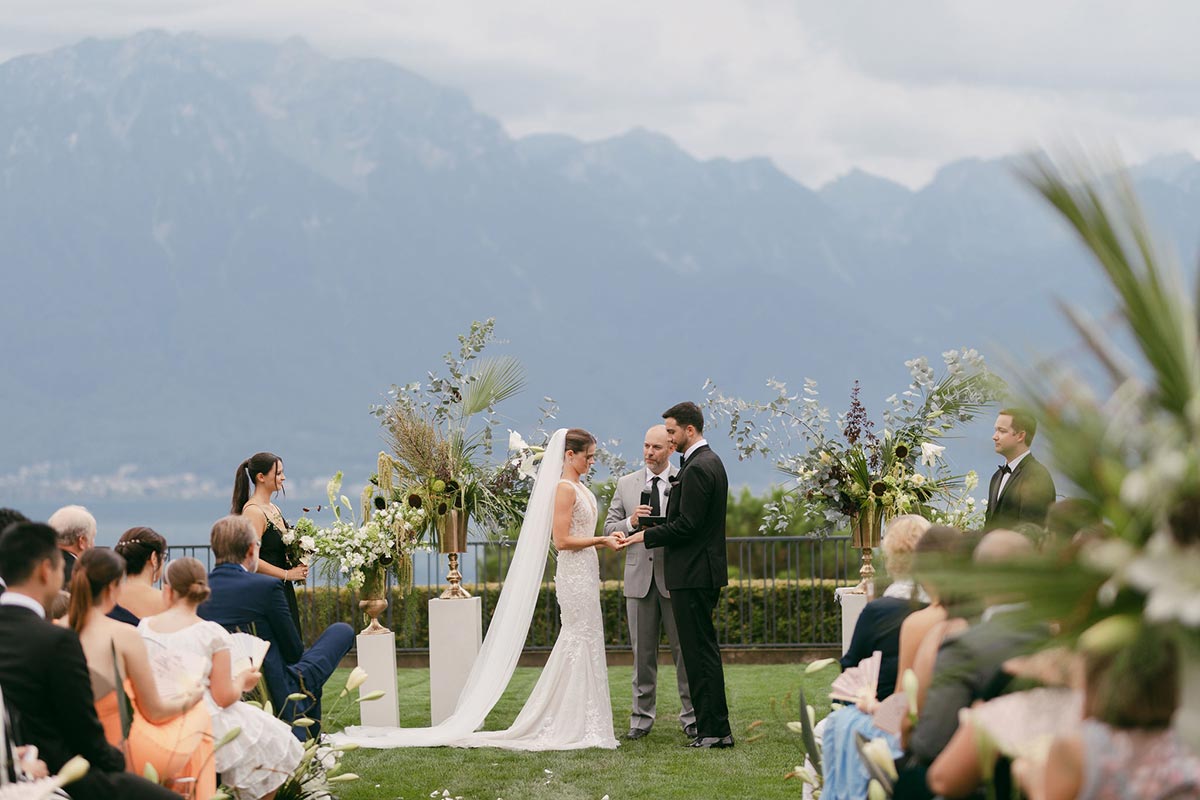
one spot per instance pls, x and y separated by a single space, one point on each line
515 442
819 664
930 453
358 677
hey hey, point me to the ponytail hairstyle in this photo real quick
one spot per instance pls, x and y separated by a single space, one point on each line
96 570
578 440
188 581
243 479
136 545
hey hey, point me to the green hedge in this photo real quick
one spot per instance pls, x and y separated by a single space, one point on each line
750 613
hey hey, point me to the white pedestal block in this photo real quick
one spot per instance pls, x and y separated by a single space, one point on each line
852 606
377 655
455 636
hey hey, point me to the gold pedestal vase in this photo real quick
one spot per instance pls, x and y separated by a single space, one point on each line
452 540
373 599
865 533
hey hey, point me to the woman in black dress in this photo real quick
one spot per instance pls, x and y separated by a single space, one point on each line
264 472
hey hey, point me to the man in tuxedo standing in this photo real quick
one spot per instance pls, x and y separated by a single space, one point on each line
76 529
44 674
696 569
647 599
247 601
1021 489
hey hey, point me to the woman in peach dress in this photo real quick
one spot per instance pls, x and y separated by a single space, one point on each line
174 737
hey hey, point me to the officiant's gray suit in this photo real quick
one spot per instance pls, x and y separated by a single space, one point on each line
647 604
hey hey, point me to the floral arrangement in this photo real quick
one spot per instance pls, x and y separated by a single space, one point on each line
386 535
441 458
300 541
838 475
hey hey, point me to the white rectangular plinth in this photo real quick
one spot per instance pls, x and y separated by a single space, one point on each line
455 635
377 655
852 606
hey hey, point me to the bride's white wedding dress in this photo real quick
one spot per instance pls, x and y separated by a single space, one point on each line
570 707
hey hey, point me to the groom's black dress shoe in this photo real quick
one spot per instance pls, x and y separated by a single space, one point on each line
690 731
713 742
637 733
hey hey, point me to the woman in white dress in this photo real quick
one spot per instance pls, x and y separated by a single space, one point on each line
570 707
265 753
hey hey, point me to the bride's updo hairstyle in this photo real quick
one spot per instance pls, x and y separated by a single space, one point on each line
188 581
578 440
96 570
243 480
136 545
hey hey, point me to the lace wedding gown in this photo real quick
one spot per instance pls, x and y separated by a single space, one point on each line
570 707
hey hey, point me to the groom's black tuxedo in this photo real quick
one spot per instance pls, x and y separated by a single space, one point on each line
1026 497
49 697
696 569
694 533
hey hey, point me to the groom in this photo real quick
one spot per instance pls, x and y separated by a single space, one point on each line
694 538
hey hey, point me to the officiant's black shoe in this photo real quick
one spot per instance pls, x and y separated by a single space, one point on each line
690 731
637 733
713 742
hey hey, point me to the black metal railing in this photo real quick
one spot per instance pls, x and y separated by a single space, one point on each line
780 593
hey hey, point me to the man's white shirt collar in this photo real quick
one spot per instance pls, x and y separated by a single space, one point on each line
1012 465
666 473
11 598
699 443
1002 608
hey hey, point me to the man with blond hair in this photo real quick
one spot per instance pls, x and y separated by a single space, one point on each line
243 600
76 529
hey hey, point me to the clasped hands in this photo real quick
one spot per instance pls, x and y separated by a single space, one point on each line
620 540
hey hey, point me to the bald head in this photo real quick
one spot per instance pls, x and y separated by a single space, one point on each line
657 448
1000 546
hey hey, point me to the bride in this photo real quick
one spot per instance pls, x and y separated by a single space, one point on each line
570 707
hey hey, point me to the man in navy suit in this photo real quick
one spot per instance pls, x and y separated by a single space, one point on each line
246 601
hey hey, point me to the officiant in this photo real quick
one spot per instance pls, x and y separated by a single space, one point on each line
640 494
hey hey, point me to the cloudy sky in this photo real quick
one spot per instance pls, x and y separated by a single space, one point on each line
820 87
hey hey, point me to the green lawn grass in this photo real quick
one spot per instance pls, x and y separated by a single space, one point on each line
657 766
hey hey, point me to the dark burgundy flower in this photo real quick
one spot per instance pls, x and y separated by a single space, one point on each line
901 451
414 500
386 559
381 502
879 488
442 508
451 486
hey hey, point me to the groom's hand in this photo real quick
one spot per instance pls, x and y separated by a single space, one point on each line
633 538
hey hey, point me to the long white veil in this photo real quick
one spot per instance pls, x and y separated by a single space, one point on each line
506 634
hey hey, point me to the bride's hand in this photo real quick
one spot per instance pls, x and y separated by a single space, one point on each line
611 542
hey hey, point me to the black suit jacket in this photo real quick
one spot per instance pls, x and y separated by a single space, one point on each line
68 567
1026 498
257 604
49 694
694 533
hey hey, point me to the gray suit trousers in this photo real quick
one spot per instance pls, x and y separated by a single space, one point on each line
647 615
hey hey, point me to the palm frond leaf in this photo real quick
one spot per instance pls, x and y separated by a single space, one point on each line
492 381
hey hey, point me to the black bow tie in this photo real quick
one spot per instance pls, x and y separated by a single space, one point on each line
1004 469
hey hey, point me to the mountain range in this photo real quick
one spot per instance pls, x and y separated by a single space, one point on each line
215 247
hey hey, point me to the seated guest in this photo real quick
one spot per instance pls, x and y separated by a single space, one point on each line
44 676
262 757
174 735
1125 747
969 666
246 601
56 612
878 627
844 775
76 529
144 551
